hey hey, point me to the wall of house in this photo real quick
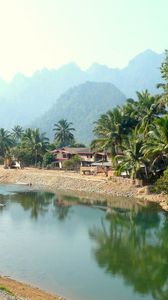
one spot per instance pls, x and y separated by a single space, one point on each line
87 157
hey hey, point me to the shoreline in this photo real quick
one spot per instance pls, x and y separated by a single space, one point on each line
88 187
25 290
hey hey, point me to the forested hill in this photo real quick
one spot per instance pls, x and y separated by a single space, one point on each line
82 105
26 98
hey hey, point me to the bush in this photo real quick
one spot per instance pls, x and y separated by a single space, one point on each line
48 158
161 185
72 164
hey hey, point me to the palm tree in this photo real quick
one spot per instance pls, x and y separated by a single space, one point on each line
111 130
63 133
17 133
156 146
132 160
6 141
36 141
148 109
164 74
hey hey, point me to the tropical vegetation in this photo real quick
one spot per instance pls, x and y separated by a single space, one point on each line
136 134
63 133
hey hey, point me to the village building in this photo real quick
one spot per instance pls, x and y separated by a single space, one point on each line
87 156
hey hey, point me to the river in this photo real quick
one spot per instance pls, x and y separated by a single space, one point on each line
81 252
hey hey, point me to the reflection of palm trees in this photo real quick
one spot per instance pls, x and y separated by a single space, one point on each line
61 211
136 249
36 202
62 207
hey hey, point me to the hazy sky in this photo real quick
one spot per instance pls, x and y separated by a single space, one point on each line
48 33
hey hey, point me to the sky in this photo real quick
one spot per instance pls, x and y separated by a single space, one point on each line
36 34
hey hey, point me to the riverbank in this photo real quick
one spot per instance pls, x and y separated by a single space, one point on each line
22 291
86 186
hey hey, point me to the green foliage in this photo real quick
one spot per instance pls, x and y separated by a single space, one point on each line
164 73
6 142
161 185
72 164
78 145
63 133
17 133
132 159
24 155
36 143
164 67
48 158
156 145
6 290
136 135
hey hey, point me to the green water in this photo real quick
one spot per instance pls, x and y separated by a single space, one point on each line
80 252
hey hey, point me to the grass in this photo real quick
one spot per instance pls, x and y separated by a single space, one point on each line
4 289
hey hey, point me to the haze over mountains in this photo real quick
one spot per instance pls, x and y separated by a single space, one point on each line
25 99
82 105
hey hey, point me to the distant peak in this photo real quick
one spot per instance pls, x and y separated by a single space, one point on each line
147 53
95 67
145 56
69 66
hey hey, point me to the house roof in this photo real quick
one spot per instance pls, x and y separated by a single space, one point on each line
73 150
80 151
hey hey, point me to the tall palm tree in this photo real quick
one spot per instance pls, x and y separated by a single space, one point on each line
36 141
17 133
132 160
156 146
111 129
6 141
63 132
148 109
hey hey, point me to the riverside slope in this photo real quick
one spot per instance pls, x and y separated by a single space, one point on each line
88 187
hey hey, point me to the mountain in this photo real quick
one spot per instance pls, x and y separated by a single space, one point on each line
142 72
26 98
82 105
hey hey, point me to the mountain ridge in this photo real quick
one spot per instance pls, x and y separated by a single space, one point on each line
81 105
26 98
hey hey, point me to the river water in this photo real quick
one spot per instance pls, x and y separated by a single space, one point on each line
82 253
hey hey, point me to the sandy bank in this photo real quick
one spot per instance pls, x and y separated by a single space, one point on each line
26 291
65 181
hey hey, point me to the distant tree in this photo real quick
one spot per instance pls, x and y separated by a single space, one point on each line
78 145
17 133
6 142
35 141
164 73
63 133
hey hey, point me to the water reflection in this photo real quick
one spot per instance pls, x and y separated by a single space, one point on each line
35 202
39 203
134 245
130 243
